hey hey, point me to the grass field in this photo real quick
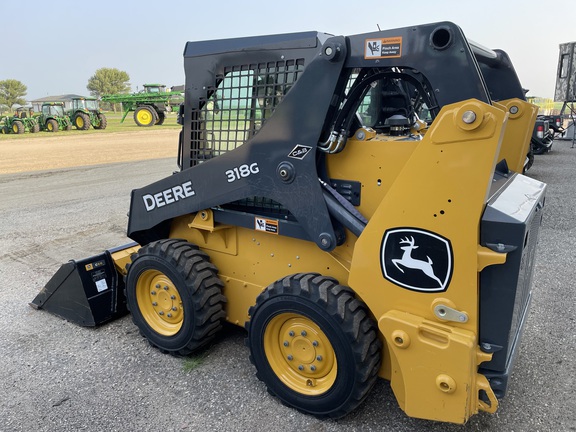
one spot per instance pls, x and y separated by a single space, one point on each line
114 125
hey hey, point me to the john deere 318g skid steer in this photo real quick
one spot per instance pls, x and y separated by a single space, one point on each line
355 203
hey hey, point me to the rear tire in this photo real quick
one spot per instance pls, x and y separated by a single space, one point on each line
161 117
35 128
82 121
175 296
314 345
145 116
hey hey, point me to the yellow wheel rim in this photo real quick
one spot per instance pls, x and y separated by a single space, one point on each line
15 128
159 302
300 354
144 116
79 122
50 127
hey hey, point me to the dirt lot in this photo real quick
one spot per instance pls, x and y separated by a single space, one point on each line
61 151
65 198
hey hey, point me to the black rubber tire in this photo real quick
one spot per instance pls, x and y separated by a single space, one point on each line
4 130
200 290
52 125
103 121
35 128
18 127
347 325
82 121
161 117
145 116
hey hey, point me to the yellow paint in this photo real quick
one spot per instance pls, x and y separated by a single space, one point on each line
516 143
122 258
300 354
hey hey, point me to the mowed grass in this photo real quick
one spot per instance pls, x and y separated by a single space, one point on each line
114 125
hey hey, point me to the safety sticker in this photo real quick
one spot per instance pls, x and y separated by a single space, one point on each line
383 48
267 225
101 285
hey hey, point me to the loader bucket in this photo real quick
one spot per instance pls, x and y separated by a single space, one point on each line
88 292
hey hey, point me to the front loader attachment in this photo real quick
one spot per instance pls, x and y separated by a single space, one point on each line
88 292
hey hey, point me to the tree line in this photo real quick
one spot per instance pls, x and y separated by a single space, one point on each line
104 81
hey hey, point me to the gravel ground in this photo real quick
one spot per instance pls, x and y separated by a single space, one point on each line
61 377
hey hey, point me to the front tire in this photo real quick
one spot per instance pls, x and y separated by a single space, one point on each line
18 127
175 296
314 345
102 122
52 125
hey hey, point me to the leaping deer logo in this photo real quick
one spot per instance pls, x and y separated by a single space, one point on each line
408 262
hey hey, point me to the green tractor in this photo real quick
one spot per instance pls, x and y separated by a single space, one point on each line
22 121
52 118
85 112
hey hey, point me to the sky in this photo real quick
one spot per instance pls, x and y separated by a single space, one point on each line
57 49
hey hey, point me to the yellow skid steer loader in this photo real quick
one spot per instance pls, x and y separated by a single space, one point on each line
355 203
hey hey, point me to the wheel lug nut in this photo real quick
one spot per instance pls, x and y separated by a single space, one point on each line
154 304
161 313
286 343
153 293
290 358
158 286
174 308
303 333
300 367
312 368
169 315
165 288
173 297
291 333
319 358
315 343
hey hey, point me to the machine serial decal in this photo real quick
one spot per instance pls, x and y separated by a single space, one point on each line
299 152
242 171
168 196
416 259
267 225
383 48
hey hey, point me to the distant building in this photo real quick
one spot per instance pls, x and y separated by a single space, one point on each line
67 99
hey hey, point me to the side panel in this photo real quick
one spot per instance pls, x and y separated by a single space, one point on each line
433 207
511 222
565 90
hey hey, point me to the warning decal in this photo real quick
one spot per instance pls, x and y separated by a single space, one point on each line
383 48
266 225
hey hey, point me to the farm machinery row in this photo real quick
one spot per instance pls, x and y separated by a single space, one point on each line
52 118
55 116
